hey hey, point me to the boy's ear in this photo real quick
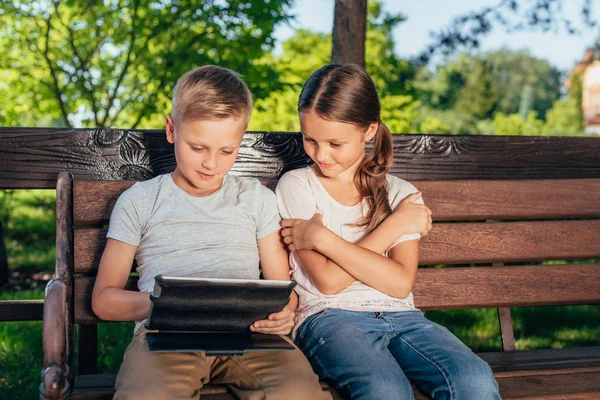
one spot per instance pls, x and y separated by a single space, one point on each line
170 128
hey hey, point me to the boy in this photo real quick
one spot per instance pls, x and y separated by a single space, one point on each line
199 221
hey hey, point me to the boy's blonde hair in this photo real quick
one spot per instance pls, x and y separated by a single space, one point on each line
210 92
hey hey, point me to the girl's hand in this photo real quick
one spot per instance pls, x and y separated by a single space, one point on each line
414 218
302 234
279 323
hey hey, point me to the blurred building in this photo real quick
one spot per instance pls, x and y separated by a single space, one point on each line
589 70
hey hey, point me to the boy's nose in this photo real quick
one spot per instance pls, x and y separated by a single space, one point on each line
210 162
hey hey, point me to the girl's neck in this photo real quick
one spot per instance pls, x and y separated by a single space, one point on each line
341 188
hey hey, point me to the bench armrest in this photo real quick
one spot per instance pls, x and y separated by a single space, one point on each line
55 375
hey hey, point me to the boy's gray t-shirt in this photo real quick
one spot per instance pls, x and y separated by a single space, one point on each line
177 234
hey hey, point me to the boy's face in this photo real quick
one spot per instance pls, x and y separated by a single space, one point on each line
205 151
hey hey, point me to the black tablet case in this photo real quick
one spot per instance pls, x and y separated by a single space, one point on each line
214 316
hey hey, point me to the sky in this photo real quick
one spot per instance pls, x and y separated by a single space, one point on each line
424 16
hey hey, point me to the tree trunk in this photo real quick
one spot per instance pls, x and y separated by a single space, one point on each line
349 32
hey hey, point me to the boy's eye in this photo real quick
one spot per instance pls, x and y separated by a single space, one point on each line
335 145
227 152
197 148
309 140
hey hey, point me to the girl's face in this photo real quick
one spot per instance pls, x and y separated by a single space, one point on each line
337 148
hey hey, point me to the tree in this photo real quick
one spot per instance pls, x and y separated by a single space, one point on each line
499 81
349 32
114 63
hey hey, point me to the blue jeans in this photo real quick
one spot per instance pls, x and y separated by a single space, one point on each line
372 355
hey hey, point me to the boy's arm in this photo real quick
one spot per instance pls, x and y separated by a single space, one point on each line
275 266
109 299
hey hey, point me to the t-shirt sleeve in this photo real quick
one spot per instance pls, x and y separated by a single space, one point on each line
268 218
399 189
295 198
127 218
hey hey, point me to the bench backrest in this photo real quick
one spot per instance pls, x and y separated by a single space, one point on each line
479 226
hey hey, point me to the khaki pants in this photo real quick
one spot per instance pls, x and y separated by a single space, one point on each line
271 375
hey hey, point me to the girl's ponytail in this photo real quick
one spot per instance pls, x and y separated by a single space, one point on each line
370 179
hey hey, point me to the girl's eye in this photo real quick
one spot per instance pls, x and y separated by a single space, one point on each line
309 140
227 152
335 145
198 148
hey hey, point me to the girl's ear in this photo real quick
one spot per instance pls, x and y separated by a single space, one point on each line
371 131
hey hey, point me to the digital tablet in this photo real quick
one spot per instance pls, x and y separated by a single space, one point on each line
214 305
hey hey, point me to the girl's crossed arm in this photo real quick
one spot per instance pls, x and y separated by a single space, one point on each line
333 263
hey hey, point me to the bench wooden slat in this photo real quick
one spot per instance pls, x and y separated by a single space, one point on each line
534 285
21 310
449 200
571 386
528 200
464 243
547 359
97 154
459 287
534 385
447 243
94 201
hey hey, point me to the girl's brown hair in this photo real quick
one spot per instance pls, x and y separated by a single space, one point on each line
211 92
346 93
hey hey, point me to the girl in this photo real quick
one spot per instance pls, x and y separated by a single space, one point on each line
353 231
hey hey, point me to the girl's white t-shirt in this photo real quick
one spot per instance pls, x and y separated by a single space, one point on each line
300 194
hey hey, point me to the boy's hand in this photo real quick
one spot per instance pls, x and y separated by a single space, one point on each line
279 323
302 234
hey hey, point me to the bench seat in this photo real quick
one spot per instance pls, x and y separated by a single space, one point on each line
531 374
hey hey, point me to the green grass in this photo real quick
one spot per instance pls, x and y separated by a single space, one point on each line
30 236
21 354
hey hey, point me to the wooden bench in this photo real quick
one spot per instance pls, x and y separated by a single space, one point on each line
496 201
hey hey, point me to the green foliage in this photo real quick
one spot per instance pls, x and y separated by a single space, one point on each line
515 125
504 81
565 118
479 95
116 62
447 121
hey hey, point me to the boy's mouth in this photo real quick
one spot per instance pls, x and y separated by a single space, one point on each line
204 176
